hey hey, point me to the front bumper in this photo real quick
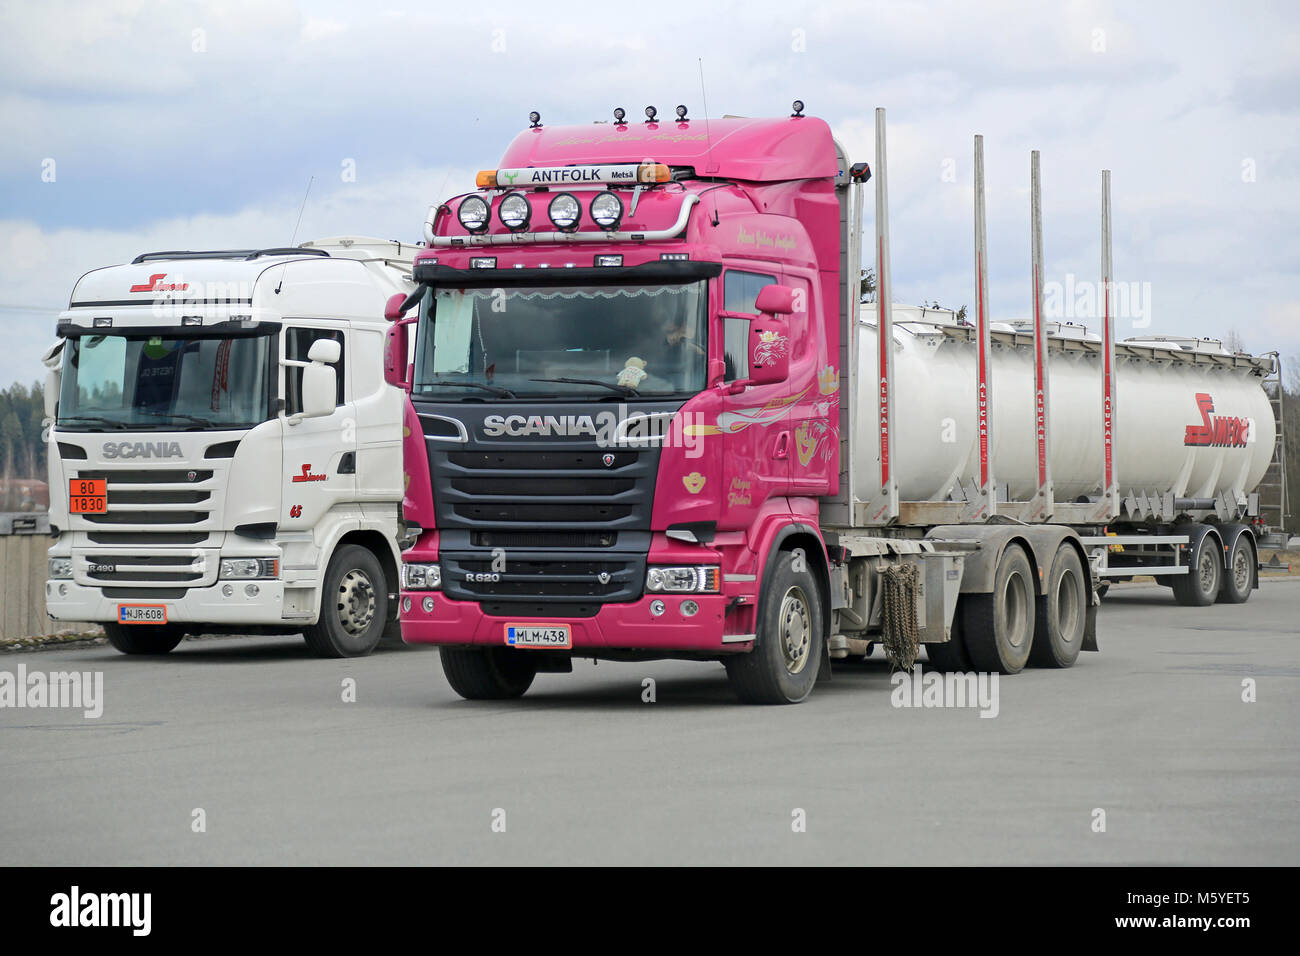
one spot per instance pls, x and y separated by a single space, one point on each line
65 600
629 625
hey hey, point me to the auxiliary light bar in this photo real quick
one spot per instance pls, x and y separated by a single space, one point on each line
628 174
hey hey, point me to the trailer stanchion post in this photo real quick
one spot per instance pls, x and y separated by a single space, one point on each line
884 506
985 503
1043 503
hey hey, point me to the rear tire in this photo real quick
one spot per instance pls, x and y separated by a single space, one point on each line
353 606
1200 585
999 628
1062 613
489 673
143 638
1241 572
782 667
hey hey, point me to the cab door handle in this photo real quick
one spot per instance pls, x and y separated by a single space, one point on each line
782 449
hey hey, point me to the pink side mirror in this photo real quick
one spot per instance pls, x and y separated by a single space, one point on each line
775 300
393 308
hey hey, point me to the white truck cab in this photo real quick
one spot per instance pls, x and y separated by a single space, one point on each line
224 452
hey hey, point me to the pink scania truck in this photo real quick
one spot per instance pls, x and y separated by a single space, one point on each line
648 418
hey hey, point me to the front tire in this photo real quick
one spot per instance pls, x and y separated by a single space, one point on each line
1062 613
1241 572
1200 585
489 673
353 607
143 638
788 648
999 628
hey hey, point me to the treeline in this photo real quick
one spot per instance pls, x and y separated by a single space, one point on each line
22 445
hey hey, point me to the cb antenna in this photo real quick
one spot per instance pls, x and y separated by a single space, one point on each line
300 211
708 140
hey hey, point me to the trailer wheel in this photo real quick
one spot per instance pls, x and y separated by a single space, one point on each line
489 673
1062 613
1241 572
998 628
951 655
1200 585
353 607
782 667
143 638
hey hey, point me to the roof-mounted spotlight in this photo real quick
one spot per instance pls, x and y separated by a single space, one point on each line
650 114
797 106
681 114
534 119
620 114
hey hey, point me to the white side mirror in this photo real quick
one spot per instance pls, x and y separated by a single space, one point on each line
319 385
325 350
53 361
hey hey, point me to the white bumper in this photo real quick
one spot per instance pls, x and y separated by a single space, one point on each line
65 600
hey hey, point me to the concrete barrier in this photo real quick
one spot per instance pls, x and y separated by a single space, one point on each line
24 540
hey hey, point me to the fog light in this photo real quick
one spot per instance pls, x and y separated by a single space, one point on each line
656 608
565 211
63 590
228 590
514 212
251 590
607 210
690 608
427 604
406 605
473 213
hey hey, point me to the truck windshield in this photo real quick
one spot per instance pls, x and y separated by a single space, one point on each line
155 383
630 341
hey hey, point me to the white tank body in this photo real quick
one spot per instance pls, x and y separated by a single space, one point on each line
935 441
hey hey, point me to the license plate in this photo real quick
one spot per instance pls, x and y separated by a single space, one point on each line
142 614
87 495
539 635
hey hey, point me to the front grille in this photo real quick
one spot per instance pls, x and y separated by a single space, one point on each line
548 609
138 594
153 568
147 537
567 513
529 576
158 497
148 517
543 539
154 497
539 460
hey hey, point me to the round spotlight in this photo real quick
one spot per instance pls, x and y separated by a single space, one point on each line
681 112
607 210
63 590
797 106
406 605
251 590
427 604
228 590
650 114
565 212
535 118
514 212
657 607
619 114
473 213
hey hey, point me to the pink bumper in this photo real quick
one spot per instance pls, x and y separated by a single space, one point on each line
614 625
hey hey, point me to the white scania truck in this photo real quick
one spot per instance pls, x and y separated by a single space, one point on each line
225 454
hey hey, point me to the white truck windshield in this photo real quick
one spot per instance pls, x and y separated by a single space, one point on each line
152 382
635 341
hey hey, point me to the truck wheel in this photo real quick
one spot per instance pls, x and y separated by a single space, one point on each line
353 607
1241 572
1200 585
951 655
782 667
999 628
490 673
143 638
1062 613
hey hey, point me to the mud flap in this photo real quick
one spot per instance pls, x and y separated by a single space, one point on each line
824 666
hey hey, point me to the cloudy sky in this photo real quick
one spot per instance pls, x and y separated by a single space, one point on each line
131 126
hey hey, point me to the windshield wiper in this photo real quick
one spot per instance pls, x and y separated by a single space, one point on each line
93 418
496 390
190 418
621 389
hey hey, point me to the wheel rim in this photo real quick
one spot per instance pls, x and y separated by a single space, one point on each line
1017 614
1067 605
1241 569
794 625
1207 571
356 605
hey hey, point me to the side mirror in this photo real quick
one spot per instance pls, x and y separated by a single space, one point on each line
395 353
775 300
53 382
393 308
320 379
769 349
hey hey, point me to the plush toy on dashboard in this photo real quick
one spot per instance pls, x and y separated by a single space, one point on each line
633 373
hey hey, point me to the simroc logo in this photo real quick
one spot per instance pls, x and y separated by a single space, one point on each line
142 449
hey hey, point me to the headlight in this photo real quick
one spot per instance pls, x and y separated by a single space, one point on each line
60 567
565 212
683 580
473 213
421 577
607 210
250 567
514 212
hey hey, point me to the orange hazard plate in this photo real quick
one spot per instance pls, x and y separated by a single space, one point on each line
87 495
